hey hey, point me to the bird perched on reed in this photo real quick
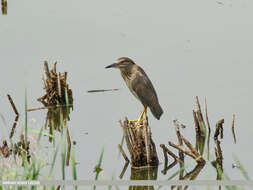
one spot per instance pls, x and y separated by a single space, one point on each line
140 86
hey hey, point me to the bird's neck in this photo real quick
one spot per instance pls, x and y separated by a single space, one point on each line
126 72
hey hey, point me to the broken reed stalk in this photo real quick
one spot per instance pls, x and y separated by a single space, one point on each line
219 129
123 170
200 128
171 153
126 161
48 107
123 153
12 104
197 157
206 114
218 163
176 159
165 156
16 118
14 126
140 144
233 127
180 153
209 130
147 141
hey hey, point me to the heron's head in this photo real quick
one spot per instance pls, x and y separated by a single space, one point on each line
122 63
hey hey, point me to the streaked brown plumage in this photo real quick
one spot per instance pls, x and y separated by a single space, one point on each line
139 84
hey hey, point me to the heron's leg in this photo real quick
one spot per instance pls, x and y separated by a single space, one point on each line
142 113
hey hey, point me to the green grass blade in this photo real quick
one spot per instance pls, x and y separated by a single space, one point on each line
39 136
99 165
25 116
67 100
54 159
63 159
42 133
73 159
99 162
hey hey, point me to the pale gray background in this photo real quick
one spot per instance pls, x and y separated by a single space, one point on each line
188 48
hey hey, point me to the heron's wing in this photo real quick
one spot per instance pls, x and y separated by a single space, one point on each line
144 89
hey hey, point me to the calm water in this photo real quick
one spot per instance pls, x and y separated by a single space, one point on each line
187 48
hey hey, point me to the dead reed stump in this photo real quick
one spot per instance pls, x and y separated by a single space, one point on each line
140 145
56 87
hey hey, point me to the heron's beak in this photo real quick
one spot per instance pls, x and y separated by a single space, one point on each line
114 65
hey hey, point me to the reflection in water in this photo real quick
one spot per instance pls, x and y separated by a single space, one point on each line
55 119
4 7
149 173
192 175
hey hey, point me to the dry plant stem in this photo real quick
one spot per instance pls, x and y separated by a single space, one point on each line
124 170
209 130
165 156
16 118
199 108
197 128
47 70
233 127
58 187
171 153
54 67
176 159
188 144
69 142
47 107
124 127
206 114
147 141
123 153
218 154
14 126
65 76
180 153
194 151
184 150
180 141
12 104
219 129
104 90
59 85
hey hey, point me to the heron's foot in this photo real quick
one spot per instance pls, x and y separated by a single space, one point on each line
132 121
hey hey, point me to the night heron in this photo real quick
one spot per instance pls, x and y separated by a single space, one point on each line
140 86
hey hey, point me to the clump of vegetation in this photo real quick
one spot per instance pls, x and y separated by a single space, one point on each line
55 86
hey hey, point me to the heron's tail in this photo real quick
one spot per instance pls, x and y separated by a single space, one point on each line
156 110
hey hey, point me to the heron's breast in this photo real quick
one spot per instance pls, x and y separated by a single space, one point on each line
128 81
